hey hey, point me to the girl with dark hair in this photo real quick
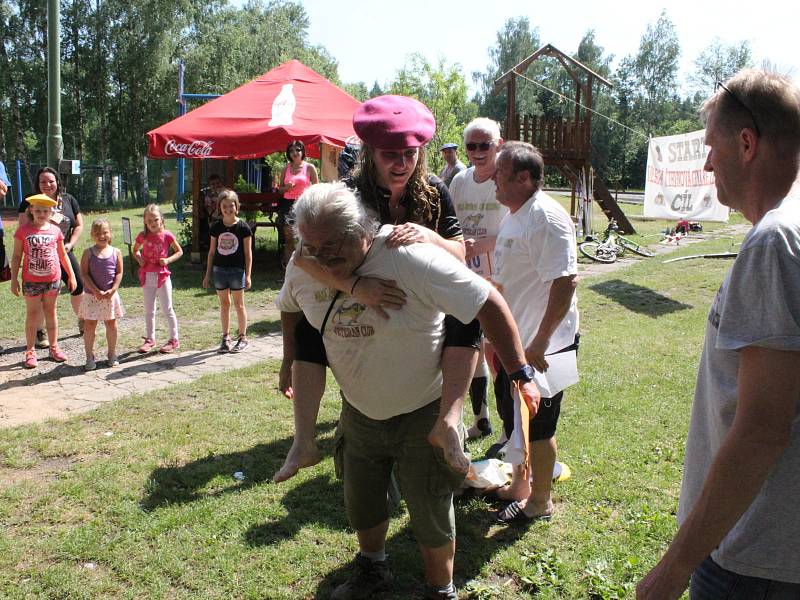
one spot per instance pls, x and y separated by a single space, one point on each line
296 178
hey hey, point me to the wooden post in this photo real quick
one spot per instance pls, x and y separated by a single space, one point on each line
511 107
196 200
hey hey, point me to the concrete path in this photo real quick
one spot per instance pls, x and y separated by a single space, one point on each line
60 391
26 400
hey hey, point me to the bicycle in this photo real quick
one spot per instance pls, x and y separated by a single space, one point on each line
611 246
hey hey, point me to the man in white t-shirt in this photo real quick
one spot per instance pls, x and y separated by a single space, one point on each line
536 269
390 375
739 535
480 214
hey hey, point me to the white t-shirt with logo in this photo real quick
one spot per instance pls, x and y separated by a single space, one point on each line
536 245
479 213
389 367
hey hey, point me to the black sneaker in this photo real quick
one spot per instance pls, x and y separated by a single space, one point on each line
367 578
225 344
241 344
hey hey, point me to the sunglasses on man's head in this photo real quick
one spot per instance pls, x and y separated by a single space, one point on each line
482 146
742 104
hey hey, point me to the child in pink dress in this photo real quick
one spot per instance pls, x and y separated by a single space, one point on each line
101 267
39 248
154 249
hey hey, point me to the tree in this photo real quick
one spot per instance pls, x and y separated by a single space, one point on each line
516 41
443 90
719 62
655 71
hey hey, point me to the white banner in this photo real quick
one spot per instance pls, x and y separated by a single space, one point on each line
676 186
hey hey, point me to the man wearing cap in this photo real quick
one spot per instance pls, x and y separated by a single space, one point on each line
393 184
389 372
453 165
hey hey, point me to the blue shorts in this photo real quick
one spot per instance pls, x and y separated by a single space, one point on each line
228 278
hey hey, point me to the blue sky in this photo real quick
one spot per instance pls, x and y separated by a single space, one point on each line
372 40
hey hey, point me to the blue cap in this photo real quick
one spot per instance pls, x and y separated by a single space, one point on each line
449 146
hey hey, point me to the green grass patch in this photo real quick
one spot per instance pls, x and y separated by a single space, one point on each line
138 499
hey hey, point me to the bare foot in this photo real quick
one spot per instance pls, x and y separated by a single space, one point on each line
449 441
516 491
297 458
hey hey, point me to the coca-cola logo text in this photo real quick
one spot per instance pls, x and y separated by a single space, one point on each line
198 148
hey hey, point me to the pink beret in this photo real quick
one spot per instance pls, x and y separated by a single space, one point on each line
394 122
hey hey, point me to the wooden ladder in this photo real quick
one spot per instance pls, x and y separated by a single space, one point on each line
610 207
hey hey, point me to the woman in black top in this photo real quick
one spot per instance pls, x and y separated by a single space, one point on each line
67 216
392 179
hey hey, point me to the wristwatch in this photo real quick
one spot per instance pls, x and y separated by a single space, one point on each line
525 373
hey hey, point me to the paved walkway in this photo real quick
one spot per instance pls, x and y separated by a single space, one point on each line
29 397
24 400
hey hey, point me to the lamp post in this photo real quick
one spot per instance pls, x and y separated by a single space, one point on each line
55 143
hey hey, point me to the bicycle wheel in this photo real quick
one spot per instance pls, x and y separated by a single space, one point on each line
598 252
634 247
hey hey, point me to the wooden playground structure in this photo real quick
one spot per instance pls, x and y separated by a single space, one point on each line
565 143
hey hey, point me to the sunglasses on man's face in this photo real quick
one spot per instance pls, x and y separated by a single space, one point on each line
482 146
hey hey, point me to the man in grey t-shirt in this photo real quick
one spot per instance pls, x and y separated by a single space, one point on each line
739 533
452 165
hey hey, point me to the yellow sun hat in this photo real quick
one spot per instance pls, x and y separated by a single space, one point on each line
41 200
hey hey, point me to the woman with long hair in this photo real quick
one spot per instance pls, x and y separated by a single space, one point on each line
392 180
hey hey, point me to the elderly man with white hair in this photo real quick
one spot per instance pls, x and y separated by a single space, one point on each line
390 375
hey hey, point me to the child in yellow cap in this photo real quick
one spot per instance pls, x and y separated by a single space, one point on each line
38 249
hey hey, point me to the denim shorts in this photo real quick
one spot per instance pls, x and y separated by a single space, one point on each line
41 288
712 582
228 278
366 450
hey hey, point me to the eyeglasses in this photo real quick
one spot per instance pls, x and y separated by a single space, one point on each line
742 104
324 255
482 146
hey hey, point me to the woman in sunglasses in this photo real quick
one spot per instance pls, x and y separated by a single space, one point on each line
392 180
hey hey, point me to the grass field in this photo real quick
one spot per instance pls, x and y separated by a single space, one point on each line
138 499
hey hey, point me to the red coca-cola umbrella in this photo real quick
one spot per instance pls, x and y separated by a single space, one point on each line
290 102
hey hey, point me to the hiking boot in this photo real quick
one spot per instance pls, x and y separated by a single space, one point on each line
149 344
41 338
90 365
170 346
113 361
241 344
367 578
57 354
30 359
225 345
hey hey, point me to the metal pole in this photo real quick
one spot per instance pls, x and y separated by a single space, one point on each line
19 182
55 143
181 167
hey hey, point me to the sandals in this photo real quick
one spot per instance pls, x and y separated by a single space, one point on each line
514 515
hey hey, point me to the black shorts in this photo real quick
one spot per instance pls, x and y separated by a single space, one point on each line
76 268
543 425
